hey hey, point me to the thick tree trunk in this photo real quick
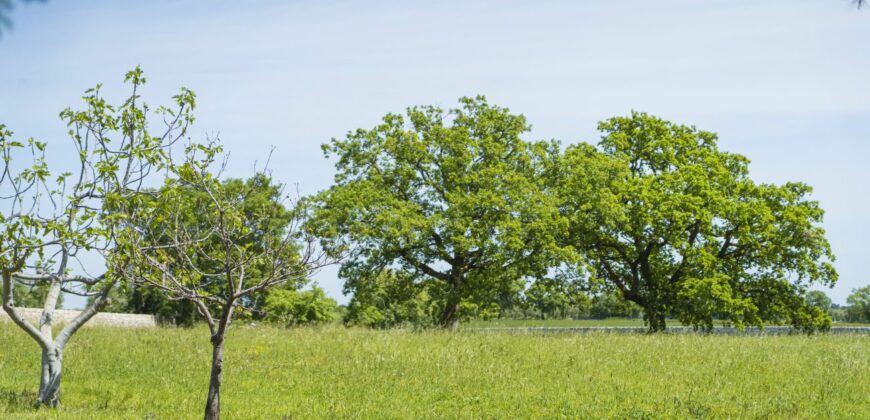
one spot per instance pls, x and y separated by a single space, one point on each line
450 316
654 314
213 402
49 384
655 320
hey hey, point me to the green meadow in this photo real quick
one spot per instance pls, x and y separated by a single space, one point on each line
336 372
579 323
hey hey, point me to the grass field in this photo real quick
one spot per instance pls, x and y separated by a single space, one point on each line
522 323
335 372
609 322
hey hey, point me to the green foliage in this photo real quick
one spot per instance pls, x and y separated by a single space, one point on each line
556 297
313 373
455 197
677 226
859 305
294 307
613 305
140 299
260 213
389 298
818 299
26 296
259 197
55 217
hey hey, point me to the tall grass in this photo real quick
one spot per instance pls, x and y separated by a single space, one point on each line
335 372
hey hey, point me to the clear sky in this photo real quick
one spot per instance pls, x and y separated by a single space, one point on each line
784 82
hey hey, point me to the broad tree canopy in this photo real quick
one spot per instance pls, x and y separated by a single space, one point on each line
677 226
457 197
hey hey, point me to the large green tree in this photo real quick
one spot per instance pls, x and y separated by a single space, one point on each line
677 226
454 196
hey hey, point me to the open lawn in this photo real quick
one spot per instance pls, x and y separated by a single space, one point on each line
609 322
523 323
334 372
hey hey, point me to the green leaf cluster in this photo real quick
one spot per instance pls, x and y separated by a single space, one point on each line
299 307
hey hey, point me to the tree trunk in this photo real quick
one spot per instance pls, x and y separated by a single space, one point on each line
213 402
49 384
450 316
655 320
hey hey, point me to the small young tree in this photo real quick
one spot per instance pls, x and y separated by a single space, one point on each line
222 261
48 222
261 197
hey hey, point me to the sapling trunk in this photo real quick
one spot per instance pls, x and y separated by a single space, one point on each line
52 347
49 384
213 402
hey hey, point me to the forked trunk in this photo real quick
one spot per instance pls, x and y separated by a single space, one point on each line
213 402
52 348
49 384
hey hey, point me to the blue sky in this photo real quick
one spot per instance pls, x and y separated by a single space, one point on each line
784 82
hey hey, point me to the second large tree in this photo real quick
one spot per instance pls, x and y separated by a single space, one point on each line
455 197
676 225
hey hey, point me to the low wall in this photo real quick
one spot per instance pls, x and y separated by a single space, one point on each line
63 316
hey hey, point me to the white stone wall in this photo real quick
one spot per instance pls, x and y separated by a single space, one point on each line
62 316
